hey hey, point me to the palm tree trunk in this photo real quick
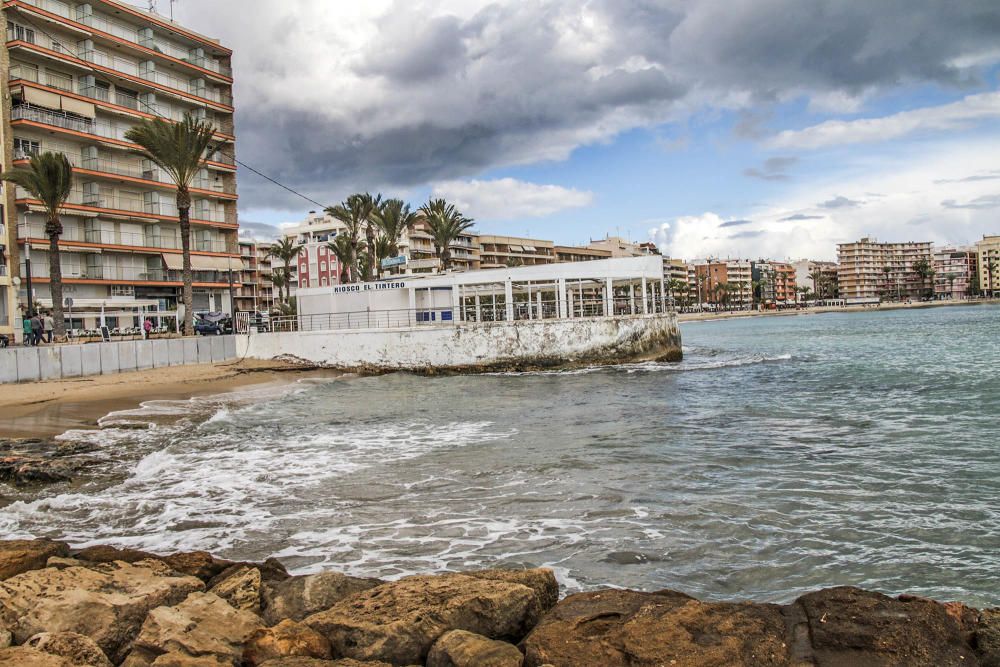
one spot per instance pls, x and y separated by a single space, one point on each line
370 239
55 280
187 293
288 282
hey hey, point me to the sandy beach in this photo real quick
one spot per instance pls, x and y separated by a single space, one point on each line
43 409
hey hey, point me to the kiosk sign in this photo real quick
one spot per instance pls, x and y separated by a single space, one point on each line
368 287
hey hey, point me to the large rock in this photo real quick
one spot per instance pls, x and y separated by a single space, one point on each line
851 626
313 662
106 602
25 656
199 564
79 650
240 587
298 597
540 579
284 640
459 648
631 629
203 625
17 556
988 637
398 622
105 554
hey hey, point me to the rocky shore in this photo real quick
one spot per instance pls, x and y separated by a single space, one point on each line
103 606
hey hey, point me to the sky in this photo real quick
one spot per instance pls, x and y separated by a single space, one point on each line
742 128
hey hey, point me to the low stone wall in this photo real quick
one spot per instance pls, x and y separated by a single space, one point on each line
55 362
478 346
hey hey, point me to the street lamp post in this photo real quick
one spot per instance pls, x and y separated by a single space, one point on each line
27 267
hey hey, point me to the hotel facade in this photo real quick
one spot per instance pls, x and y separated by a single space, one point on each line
988 259
869 270
80 74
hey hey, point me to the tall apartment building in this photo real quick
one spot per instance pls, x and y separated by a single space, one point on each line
954 269
869 270
497 252
255 291
723 282
988 260
776 281
819 277
571 253
80 75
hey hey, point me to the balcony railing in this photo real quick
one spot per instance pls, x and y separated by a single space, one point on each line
54 6
134 240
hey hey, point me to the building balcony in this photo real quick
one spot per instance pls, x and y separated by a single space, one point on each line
153 241
118 204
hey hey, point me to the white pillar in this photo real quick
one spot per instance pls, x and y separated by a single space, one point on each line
609 299
663 297
479 312
456 304
508 289
561 298
645 298
411 317
631 298
539 300
530 307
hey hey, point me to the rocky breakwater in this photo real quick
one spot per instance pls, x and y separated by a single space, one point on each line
104 606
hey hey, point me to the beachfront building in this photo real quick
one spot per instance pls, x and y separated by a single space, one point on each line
80 75
820 278
508 251
254 291
619 247
775 282
954 271
723 283
988 264
869 270
572 253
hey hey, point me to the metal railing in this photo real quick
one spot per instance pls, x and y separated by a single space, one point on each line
497 311
53 6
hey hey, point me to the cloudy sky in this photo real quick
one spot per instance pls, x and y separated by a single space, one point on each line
715 127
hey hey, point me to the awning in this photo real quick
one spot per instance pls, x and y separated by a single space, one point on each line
515 248
78 107
175 262
530 248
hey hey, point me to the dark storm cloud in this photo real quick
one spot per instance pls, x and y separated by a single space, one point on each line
423 96
736 223
986 201
840 202
258 230
801 216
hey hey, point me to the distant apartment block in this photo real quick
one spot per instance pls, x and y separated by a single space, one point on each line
723 282
509 251
988 261
80 75
954 270
870 270
570 253
775 281
255 292
820 278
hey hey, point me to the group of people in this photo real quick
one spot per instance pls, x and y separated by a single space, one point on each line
37 327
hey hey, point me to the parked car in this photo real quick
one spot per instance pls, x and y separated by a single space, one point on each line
212 324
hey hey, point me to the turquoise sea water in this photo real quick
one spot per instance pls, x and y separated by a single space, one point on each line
783 454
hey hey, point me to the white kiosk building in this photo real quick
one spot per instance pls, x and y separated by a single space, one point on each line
609 311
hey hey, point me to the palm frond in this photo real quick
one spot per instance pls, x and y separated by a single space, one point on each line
177 148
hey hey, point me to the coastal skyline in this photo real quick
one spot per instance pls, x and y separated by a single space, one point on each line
712 129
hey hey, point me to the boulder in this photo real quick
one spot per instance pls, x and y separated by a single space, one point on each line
399 621
181 659
459 648
629 628
25 656
988 637
298 597
106 602
240 587
79 650
203 625
286 639
199 564
850 626
105 554
313 662
540 579
17 556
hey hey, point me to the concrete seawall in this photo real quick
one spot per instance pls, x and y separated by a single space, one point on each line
478 346
57 362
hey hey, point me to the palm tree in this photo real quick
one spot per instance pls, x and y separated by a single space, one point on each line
951 277
49 179
394 219
446 225
991 266
372 205
278 280
344 252
887 270
178 149
286 251
357 213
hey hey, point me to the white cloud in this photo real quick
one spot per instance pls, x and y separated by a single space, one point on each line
510 198
914 204
956 115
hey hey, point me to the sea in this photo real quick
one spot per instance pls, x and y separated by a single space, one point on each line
783 454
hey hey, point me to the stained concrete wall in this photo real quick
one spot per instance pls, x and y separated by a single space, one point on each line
470 345
54 362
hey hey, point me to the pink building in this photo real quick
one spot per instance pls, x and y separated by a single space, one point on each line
317 266
953 270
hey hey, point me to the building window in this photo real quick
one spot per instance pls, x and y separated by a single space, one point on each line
19 32
26 147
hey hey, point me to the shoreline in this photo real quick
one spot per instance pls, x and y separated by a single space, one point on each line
791 312
50 408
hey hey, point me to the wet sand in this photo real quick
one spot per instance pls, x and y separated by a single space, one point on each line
45 409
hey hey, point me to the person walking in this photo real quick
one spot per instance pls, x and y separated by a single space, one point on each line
48 324
147 326
26 329
36 329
